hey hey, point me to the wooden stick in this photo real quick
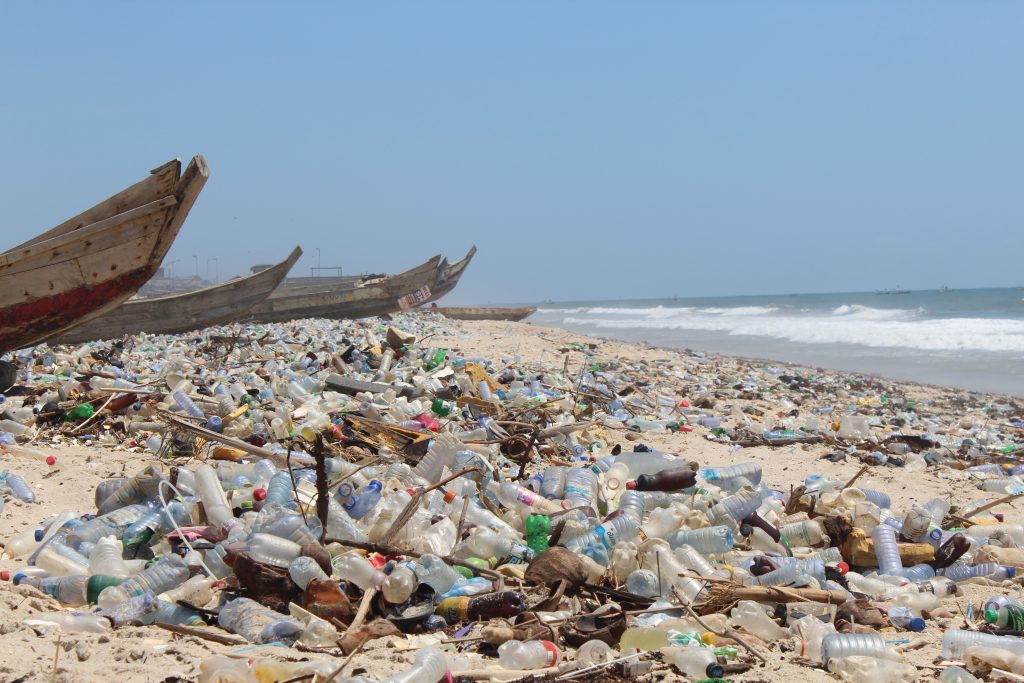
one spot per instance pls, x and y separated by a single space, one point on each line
856 476
355 651
994 503
202 633
727 633
364 608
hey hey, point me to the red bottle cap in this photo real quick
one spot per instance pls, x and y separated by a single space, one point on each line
684 403
449 496
259 494
999 516
631 485
51 460
842 567
5 575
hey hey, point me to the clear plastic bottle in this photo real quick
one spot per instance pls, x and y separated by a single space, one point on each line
751 617
528 654
56 559
429 666
838 645
74 590
693 560
365 501
644 582
197 591
514 496
580 488
707 541
356 569
215 503
187 405
137 489
732 478
279 489
271 549
432 570
105 558
988 570
886 550
256 623
302 570
696 663
606 534
484 543
956 642
903 617
21 544
19 487
632 503
157 523
76 622
162 576
802 534
401 583
553 483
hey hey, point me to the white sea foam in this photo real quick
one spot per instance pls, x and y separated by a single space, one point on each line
846 324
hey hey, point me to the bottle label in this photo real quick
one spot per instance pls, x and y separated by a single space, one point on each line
525 497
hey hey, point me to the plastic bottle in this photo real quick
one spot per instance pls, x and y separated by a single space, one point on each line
429 666
279 489
528 654
594 652
902 617
162 576
187 405
707 541
695 662
141 487
674 479
802 534
76 622
56 559
432 570
732 478
606 534
105 558
256 623
644 582
401 583
1010 616
215 503
580 487
553 482
886 550
356 569
157 523
751 617
940 586
26 453
956 642
365 501
272 549
21 544
872 669
693 560
514 496
302 570
19 487
483 542
73 590
197 591
838 645
481 607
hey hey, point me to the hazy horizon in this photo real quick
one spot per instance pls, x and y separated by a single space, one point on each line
591 152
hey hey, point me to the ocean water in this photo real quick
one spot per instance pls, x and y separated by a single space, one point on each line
971 338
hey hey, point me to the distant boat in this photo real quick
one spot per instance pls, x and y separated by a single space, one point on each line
176 313
893 291
474 313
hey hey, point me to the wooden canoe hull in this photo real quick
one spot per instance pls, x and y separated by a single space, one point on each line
217 305
78 271
450 275
472 313
345 301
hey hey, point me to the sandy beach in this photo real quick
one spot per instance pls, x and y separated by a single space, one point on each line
147 653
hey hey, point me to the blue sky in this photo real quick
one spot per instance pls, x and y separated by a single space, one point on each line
591 150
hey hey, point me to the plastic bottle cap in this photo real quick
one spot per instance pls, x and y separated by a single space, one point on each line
259 494
631 485
842 567
991 616
5 575
449 496
715 670
39 533
916 624
18 578
1010 572
51 460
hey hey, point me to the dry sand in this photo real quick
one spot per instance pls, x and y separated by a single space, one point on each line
152 654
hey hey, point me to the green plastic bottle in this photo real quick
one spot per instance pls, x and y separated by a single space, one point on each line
538 527
79 413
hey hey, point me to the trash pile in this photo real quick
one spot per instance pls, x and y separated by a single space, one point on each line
322 485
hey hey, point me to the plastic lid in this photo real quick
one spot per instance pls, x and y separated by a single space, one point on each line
715 670
51 460
5 575
916 624
991 616
39 533
842 567
18 578
259 494
1010 572
631 485
449 496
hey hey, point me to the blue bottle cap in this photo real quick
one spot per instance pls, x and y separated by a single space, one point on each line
1010 572
916 624
39 533
18 578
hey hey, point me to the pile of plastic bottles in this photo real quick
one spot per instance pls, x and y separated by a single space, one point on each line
175 544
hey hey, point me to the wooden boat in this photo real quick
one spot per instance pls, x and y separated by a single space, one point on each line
93 262
193 310
450 275
472 313
407 277
345 300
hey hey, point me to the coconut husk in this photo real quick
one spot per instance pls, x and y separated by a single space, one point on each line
555 565
266 584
